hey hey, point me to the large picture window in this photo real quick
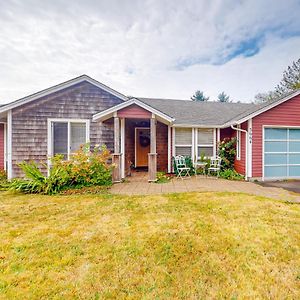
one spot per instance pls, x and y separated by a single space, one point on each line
66 136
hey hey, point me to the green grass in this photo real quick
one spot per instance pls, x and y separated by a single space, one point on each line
179 246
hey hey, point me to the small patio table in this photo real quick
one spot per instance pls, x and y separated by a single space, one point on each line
200 165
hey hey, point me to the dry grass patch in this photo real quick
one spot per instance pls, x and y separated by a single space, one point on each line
180 246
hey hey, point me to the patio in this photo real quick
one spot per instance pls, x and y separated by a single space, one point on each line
138 184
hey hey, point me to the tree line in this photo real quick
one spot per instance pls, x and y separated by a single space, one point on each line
290 82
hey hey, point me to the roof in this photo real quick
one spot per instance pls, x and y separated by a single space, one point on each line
108 113
59 87
179 112
202 114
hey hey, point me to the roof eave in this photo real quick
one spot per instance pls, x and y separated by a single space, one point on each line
108 113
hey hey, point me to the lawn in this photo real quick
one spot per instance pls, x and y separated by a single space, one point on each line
178 246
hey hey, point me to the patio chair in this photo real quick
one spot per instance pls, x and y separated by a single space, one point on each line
182 169
215 166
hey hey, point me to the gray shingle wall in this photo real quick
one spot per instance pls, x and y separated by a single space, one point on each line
29 121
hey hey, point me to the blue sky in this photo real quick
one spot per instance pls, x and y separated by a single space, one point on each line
148 48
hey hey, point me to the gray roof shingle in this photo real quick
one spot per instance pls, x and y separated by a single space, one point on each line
187 112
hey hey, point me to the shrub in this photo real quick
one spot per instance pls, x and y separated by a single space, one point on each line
84 168
162 177
227 151
231 174
3 181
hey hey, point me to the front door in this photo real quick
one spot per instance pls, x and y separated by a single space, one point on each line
142 146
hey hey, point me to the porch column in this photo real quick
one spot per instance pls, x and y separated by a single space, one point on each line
152 156
116 157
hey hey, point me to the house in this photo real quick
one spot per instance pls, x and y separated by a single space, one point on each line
147 132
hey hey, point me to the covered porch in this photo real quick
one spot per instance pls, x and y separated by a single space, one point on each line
142 139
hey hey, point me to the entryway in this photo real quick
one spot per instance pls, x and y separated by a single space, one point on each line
142 146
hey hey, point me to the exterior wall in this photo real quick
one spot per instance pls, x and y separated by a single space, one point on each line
2 143
286 114
162 146
29 121
239 165
134 112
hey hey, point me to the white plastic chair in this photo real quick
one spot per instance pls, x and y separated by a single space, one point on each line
215 166
182 169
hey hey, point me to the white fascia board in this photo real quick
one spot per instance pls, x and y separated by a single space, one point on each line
106 114
60 87
196 126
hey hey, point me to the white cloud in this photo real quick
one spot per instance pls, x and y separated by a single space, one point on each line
137 46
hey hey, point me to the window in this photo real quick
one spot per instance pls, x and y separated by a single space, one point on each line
205 142
66 136
238 143
183 141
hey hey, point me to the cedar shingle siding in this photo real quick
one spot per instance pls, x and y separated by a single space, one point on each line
29 121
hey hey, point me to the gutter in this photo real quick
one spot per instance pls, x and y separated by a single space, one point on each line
246 148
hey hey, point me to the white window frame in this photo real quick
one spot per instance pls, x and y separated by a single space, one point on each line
213 145
238 142
68 121
287 140
184 145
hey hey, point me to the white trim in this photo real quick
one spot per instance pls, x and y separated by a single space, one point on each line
246 148
60 87
215 143
173 145
249 148
123 148
218 135
238 142
9 145
198 126
135 130
169 149
193 145
266 108
4 145
108 113
68 121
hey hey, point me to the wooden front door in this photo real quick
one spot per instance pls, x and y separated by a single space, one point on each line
142 146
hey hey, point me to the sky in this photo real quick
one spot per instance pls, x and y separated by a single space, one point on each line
161 49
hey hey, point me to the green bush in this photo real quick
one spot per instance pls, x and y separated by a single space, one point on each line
162 177
231 175
227 151
189 164
84 168
4 185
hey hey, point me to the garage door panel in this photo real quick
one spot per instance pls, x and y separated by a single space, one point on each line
294 146
276 171
294 159
276 133
275 159
294 134
294 171
272 146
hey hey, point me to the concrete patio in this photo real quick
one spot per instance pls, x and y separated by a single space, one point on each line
138 184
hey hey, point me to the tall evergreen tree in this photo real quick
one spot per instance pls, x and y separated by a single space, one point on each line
199 96
222 97
290 80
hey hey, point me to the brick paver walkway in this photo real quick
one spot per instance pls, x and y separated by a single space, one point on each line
138 185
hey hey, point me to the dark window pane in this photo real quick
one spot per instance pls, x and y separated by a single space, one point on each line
60 139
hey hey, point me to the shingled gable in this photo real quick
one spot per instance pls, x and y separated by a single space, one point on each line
60 87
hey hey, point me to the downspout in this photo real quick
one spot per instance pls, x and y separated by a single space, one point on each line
246 148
